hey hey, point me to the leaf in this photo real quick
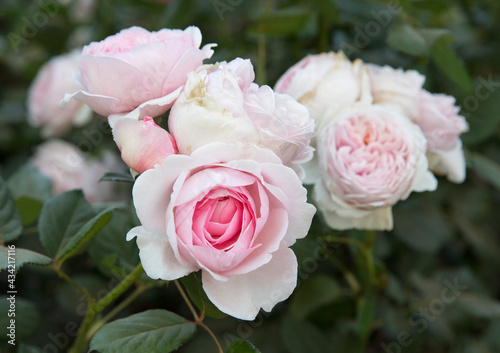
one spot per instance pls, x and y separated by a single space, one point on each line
152 331
29 182
322 288
366 313
479 305
451 64
485 167
121 177
300 337
61 218
242 347
87 232
24 348
29 209
194 289
111 252
11 225
282 22
403 37
27 317
421 227
22 257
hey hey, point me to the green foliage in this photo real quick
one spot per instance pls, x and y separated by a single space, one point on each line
26 315
10 220
22 257
194 289
153 331
242 347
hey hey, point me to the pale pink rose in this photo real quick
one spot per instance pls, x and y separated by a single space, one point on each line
46 91
68 169
396 87
324 83
138 70
230 216
143 143
370 157
442 125
220 103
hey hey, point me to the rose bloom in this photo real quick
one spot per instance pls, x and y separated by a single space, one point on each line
324 83
139 69
143 144
46 91
442 125
396 87
370 157
231 216
220 103
68 168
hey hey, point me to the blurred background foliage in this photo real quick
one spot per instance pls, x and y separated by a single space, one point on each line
445 239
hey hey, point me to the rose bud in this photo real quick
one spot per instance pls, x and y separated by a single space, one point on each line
143 143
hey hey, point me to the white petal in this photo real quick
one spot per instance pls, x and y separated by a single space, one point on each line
379 219
242 296
157 257
453 163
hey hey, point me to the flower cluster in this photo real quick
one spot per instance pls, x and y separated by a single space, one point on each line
220 190
380 134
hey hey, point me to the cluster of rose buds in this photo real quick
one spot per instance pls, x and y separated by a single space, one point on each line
221 191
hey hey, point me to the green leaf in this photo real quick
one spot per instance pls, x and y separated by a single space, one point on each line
152 331
122 177
11 225
300 337
322 288
25 348
87 232
420 226
479 305
485 167
29 182
29 209
27 317
451 64
61 218
22 257
366 313
111 252
194 289
403 37
242 347
282 22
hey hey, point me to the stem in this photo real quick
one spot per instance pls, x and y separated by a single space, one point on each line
30 230
79 288
261 48
188 302
219 348
349 241
81 340
370 263
140 289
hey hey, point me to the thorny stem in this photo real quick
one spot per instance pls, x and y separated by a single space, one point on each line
79 288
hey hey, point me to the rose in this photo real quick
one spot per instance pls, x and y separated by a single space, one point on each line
52 81
324 83
143 143
230 216
68 168
220 103
442 125
370 157
396 87
137 70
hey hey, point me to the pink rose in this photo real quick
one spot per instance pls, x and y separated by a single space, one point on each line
143 143
46 91
230 216
442 125
220 103
396 87
68 168
324 83
370 157
137 70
